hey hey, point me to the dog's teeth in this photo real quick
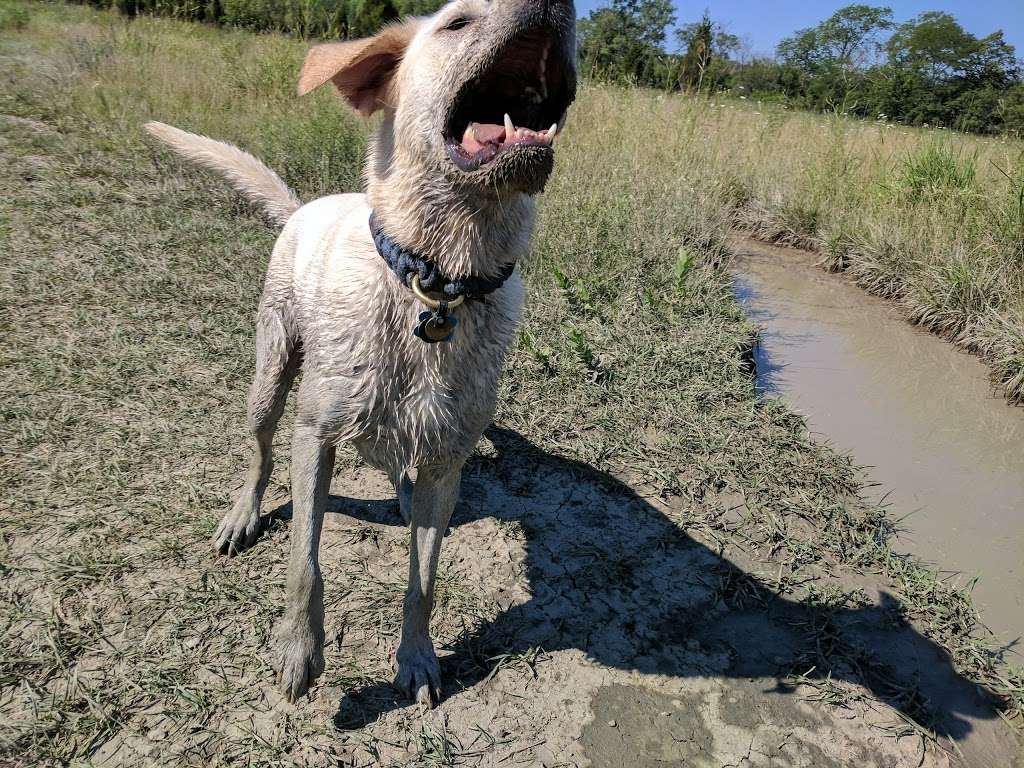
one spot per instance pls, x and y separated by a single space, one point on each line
549 134
510 130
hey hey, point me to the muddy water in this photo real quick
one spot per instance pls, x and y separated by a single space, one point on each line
944 448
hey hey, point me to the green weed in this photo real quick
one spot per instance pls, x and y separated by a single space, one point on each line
937 172
14 16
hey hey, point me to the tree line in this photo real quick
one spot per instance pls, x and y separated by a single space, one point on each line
924 71
927 70
333 19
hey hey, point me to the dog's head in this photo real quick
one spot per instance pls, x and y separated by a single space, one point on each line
474 94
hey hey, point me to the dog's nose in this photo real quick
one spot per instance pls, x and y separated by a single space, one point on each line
560 15
560 4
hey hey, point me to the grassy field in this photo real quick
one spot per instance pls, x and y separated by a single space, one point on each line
128 287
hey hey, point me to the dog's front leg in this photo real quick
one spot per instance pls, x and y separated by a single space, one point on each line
433 499
299 638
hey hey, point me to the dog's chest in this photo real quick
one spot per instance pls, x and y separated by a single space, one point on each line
368 378
403 401
444 394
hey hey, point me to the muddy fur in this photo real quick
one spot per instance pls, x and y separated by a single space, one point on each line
332 307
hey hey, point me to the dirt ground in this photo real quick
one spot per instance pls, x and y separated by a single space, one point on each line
579 626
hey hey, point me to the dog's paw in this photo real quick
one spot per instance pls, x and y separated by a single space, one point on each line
418 673
238 530
299 659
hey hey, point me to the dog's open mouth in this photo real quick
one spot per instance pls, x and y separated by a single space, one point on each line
517 102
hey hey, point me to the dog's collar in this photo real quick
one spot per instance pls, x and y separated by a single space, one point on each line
407 264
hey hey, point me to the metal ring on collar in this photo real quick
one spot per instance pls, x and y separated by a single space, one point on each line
433 304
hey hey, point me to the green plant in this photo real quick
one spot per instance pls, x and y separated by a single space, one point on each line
13 15
682 268
937 172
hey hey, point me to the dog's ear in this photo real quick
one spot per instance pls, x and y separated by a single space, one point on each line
361 70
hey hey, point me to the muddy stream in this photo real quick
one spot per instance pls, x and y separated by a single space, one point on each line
941 447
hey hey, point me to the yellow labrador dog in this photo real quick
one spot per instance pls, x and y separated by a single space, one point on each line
399 305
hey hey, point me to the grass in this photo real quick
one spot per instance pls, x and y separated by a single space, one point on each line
932 220
127 305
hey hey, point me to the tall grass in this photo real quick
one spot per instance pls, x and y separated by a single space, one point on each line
933 220
930 219
13 16
935 173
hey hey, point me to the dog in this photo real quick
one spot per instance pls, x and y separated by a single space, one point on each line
399 305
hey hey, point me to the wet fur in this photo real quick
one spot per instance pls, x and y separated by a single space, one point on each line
332 306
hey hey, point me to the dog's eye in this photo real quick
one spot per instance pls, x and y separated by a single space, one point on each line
457 23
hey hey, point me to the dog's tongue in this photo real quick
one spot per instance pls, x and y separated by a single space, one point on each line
479 135
486 139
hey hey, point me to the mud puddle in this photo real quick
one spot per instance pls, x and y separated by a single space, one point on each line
943 447
741 723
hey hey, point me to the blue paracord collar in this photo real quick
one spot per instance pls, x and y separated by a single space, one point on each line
405 264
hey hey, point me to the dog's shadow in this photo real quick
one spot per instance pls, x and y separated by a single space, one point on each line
612 575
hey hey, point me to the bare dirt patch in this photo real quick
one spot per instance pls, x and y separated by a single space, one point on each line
713 723
579 625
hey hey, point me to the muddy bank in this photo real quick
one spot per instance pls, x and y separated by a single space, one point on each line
945 451
621 640
711 725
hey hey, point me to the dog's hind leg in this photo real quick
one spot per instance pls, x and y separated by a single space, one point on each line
299 637
433 500
403 490
277 362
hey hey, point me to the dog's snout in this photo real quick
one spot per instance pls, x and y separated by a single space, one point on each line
546 5
557 17
510 87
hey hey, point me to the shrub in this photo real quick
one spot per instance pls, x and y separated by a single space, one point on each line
935 172
1011 110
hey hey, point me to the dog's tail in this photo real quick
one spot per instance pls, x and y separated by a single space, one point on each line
243 171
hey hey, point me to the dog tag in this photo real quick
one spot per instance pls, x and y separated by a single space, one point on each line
434 327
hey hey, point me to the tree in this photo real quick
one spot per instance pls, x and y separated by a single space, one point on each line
1011 110
847 39
937 47
704 43
933 45
417 7
832 55
365 17
992 63
624 41
940 74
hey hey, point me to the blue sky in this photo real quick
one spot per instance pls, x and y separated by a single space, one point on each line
763 23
